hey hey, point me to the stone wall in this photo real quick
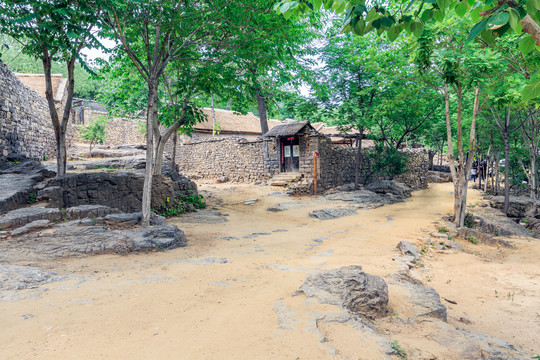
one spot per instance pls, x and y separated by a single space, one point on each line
119 131
238 159
234 157
25 122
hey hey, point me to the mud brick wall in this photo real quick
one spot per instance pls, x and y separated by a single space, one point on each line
235 158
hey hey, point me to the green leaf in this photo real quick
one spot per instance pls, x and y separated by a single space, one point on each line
427 15
536 4
527 44
475 14
372 14
477 29
340 8
328 4
498 20
359 27
386 21
514 21
317 4
417 29
462 8
393 33
443 4
438 15
531 91
284 7
487 36
409 6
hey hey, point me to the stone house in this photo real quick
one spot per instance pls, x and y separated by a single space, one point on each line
286 148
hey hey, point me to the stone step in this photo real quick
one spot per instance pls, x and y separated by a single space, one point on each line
282 179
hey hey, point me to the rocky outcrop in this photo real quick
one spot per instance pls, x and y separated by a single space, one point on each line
475 236
17 181
17 277
23 216
390 187
121 190
78 241
519 207
333 213
350 288
409 249
364 199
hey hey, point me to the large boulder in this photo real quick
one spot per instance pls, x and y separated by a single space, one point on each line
121 190
390 187
23 216
351 288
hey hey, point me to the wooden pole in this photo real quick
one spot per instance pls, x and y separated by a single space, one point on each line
314 173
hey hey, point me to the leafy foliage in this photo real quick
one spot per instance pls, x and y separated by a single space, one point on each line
94 131
185 203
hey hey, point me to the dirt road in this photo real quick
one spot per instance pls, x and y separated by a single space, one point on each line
231 298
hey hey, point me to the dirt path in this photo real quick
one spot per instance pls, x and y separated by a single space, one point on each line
225 299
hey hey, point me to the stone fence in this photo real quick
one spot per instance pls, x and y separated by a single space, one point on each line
240 160
25 120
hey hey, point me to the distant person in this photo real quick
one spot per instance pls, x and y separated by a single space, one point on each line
473 174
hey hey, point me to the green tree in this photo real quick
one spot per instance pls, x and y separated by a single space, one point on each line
52 31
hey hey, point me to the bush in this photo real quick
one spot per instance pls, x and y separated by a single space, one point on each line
181 205
469 221
94 132
386 162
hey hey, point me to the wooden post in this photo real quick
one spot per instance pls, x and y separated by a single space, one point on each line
314 173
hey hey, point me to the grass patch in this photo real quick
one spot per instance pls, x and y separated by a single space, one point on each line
181 205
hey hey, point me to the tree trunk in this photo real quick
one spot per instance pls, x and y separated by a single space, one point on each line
173 157
506 172
151 116
261 105
358 168
497 174
213 117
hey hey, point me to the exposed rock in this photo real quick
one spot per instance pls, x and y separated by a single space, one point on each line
126 221
332 213
23 216
466 233
30 227
286 206
89 211
82 241
16 277
493 221
17 182
533 225
350 288
390 187
519 207
439 177
364 199
204 217
128 162
424 300
407 248
107 152
126 187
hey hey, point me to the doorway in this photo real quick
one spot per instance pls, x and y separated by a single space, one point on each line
290 154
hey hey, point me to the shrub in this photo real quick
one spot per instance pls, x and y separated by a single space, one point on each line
94 132
443 230
469 221
180 205
472 239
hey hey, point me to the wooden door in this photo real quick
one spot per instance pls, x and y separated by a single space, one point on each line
290 154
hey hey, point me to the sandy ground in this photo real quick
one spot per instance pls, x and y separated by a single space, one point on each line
231 299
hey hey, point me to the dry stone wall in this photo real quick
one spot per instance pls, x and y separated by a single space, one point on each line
234 158
25 123
119 131
237 159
